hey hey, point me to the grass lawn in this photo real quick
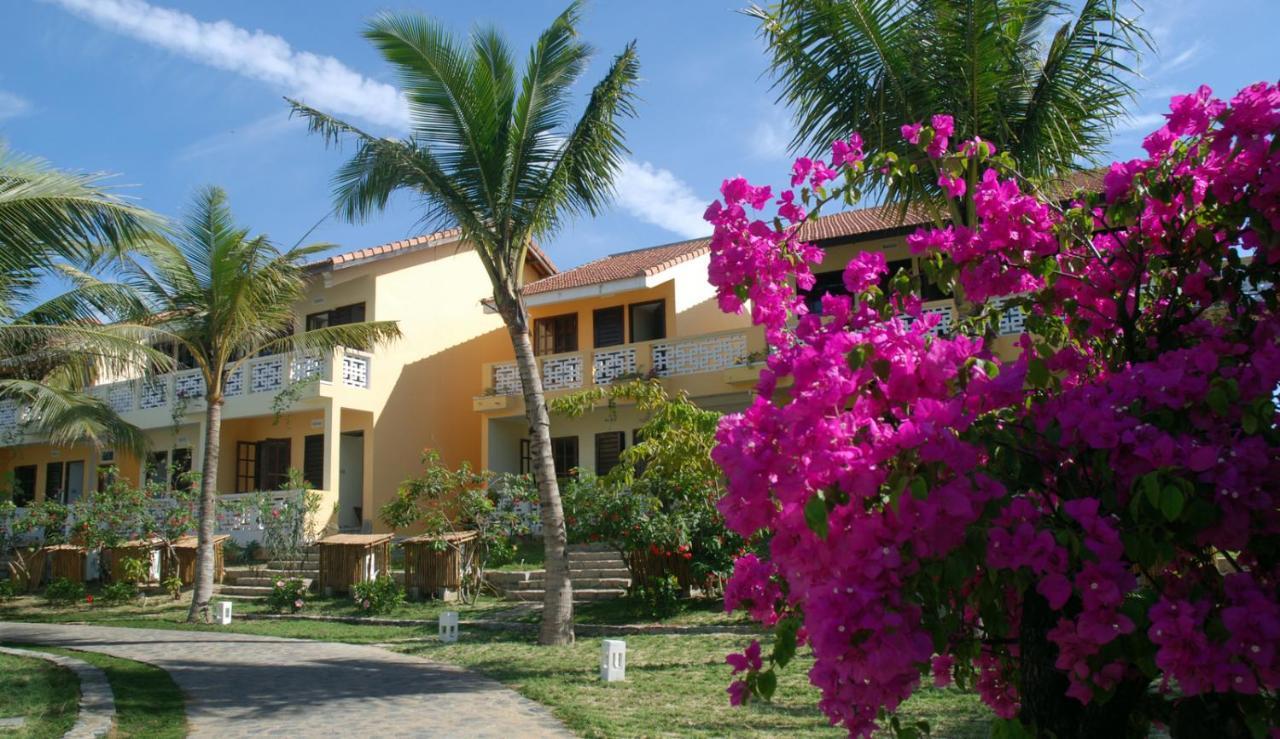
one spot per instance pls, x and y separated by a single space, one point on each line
676 683
45 694
529 555
148 703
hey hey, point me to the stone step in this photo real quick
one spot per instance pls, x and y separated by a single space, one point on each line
584 594
580 557
260 588
591 583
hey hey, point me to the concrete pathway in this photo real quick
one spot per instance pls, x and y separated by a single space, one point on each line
238 685
97 706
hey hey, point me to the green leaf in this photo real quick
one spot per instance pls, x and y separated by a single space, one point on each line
1218 400
991 368
858 356
766 684
1038 372
1171 502
919 488
784 642
815 515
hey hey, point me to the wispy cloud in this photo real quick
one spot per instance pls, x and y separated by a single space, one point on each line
251 134
1140 123
647 192
12 106
322 81
769 138
657 196
1183 58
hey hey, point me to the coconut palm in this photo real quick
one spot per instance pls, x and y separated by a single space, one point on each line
493 150
51 221
1042 79
224 296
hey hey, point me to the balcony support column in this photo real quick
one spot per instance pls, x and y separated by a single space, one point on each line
332 446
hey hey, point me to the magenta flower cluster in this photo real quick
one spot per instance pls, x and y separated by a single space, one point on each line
920 491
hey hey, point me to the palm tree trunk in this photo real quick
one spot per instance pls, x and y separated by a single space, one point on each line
557 599
203 591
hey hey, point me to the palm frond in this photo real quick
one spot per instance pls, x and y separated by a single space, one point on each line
65 417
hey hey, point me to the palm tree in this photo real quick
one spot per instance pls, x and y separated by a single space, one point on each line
56 221
495 154
1039 80
225 296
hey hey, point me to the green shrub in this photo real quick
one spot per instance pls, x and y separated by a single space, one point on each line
381 595
659 599
7 590
287 596
64 592
119 592
135 570
173 586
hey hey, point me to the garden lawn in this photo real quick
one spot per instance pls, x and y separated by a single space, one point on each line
148 703
45 694
675 683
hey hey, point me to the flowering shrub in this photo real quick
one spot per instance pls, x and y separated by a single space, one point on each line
287 596
657 506
379 595
1084 528
119 592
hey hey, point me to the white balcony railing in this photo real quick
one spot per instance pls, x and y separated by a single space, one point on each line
260 375
664 358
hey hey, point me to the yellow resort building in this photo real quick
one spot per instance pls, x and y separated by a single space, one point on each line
356 423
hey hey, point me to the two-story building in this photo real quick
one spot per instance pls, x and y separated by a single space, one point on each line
354 423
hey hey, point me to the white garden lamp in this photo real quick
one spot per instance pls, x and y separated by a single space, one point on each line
613 660
449 627
224 612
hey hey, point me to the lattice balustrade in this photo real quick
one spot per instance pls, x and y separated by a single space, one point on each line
946 320
266 375
559 373
355 370
188 385
706 354
119 396
233 383
153 393
1013 320
506 379
306 367
610 364
8 414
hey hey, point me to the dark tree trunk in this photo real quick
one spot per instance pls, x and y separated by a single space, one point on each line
1047 708
208 514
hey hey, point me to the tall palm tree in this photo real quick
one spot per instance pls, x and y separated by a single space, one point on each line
52 220
492 150
225 297
1041 80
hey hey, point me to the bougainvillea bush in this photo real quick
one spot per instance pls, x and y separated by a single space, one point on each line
1083 528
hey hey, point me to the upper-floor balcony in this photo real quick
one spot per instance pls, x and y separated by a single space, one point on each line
155 400
712 356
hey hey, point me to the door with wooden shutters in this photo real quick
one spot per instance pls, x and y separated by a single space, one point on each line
273 463
609 450
313 460
246 466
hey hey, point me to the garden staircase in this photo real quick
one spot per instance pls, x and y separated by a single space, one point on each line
597 573
256 582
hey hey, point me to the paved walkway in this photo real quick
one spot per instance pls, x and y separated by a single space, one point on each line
238 685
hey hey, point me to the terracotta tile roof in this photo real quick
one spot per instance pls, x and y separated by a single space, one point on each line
539 258
638 263
861 222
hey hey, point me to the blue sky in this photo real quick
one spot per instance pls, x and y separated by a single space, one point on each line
172 95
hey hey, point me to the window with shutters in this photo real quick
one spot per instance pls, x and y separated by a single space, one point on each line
157 468
313 460
246 466
608 326
609 447
180 469
649 321
273 463
54 481
555 335
24 484
339 316
564 451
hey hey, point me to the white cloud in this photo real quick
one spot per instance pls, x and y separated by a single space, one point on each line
1140 123
322 81
649 193
1182 59
770 137
657 196
12 106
